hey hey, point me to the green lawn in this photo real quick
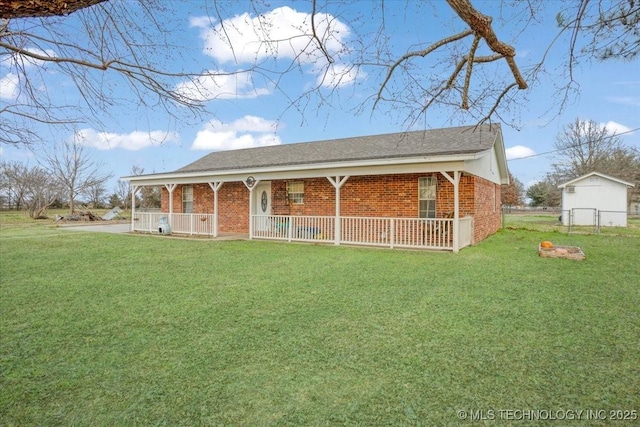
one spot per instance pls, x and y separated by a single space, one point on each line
100 329
550 222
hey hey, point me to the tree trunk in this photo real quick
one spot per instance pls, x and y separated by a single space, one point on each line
40 8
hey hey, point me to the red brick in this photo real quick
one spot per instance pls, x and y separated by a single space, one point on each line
368 196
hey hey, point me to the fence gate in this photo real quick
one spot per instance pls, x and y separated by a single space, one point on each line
583 217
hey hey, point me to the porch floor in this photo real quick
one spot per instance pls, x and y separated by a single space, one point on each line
221 236
231 236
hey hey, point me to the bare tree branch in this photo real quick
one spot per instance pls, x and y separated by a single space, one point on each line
574 36
315 34
421 53
123 40
41 8
103 66
497 103
481 26
467 80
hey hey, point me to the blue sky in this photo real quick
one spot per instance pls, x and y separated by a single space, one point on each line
248 110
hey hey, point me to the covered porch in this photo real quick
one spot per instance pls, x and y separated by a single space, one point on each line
447 231
416 233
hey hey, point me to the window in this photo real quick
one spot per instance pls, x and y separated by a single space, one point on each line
427 197
187 199
295 190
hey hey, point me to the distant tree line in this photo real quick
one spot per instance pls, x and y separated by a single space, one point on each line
513 193
66 178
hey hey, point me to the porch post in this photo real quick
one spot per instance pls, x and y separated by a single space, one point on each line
215 186
337 183
134 189
170 188
456 207
250 183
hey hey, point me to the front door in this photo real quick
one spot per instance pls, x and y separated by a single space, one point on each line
262 205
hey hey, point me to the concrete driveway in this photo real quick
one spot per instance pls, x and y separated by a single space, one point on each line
99 228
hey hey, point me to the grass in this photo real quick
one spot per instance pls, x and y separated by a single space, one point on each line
100 329
550 222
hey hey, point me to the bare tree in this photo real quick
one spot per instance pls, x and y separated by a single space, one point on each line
5 188
15 182
149 196
611 28
95 194
42 192
29 188
586 146
470 69
106 45
123 193
40 8
76 171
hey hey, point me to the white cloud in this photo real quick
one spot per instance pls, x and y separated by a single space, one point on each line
625 100
518 152
136 140
10 82
339 75
615 128
30 61
9 87
280 33
26 61
246 132
220 85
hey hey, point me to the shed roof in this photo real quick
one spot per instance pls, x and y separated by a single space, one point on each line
433 142
610 178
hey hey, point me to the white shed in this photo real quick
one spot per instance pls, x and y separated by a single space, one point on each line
595 199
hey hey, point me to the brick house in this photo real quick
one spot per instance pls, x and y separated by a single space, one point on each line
436 189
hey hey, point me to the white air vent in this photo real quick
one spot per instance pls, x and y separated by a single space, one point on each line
571 189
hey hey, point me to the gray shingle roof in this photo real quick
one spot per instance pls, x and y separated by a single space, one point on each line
433 142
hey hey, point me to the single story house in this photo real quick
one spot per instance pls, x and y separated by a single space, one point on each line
595 199
435 189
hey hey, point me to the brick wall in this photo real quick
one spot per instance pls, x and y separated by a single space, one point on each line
319 198
233 202
445 196
487 217
381 195
374 196
202 199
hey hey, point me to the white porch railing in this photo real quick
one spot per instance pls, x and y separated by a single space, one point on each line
192 224
179 223
147 221
301 228
426 233
466 231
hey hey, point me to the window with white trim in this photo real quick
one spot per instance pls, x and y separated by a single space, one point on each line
295 190
187 199
427 197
